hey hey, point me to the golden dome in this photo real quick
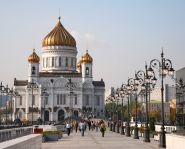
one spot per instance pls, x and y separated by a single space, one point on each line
86 58
79 65
33 58
59 36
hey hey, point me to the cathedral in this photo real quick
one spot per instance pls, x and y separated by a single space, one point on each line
61 88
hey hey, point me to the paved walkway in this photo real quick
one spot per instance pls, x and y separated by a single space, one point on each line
93 140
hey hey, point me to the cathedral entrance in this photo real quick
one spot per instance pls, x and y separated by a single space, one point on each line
46 116
61 115
76 114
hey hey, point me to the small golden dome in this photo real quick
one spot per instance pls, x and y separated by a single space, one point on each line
86 58
59 36
33 58
79 65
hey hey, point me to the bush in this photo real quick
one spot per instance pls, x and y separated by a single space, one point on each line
50 136
45 133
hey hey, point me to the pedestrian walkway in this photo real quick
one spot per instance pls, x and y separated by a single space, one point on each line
93 140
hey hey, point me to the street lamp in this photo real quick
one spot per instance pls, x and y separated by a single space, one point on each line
70 86
32 85
117 97
165 68
7 91
2 90
146 80
112 126
108 100
123 93
128 89
134 83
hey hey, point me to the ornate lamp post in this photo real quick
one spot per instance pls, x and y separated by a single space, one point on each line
117 97
165 68
129 89
134 83
7 91
146 80
32 85
71 86
11 93
111 110
2 90
122 94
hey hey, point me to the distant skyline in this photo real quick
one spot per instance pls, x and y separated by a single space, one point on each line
120 35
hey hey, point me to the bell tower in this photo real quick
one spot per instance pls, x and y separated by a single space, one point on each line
86 67
33 66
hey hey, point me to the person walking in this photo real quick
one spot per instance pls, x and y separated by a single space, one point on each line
89 124
97 124
82 127
68 126
76 126
102 128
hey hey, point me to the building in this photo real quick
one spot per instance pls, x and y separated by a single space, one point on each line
62 88
170 92
156 106
180 98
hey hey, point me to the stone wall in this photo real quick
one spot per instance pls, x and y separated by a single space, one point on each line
33 141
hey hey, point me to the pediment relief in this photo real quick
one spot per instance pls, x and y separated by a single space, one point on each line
46 84
88 84
60 83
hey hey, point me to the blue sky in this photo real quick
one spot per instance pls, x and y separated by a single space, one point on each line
119 34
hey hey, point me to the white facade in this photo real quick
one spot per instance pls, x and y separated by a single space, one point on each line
58 69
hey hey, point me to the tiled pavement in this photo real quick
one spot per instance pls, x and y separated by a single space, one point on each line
93 140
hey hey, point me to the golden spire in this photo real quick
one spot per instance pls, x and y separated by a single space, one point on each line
33 58
59 36
86 58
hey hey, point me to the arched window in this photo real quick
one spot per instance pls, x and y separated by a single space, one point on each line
66 62
43 62
20 115
87 100
20 101
87 71
61 115
33 70
72 65
33 100
76 102
47 62
52 62
46 116
60 61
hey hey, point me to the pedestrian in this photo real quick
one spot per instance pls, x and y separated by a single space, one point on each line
68 126
97 124
102 128
89 124
82 127
76 126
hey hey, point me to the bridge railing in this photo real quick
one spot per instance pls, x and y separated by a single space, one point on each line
8 134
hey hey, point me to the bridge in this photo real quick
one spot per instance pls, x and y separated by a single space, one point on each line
24 138
94 140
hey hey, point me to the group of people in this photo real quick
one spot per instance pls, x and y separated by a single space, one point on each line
82 126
